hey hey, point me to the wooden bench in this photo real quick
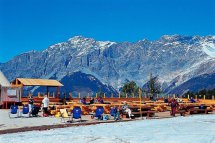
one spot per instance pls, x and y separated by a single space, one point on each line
148 113
197 110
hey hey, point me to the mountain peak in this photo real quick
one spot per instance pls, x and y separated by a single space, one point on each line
171 37
80 39
179 38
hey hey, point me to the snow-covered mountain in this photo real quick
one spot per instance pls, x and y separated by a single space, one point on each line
175 59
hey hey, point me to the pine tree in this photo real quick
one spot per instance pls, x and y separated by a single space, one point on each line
130 88
100 92
153 86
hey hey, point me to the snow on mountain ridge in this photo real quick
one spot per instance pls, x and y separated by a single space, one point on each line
80 40
175 59
209 48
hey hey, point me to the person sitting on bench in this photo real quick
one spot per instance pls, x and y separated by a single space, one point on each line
192 100
126 109
100 100
166 100
116 112
84 101
179 100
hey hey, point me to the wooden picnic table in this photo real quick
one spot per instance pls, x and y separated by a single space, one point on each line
142 107
71 102
84 108
186 102
137 101
196 108
105 106
193 105
98 104
149 101
159 101
116 104
145 110
55 103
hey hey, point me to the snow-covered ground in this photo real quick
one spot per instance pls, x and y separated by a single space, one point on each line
7 123
192 129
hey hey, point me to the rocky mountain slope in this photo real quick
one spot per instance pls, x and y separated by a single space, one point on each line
175 59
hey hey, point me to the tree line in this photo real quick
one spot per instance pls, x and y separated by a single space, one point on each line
152 87
200 94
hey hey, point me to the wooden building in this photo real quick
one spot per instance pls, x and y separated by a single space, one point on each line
8 93
21 82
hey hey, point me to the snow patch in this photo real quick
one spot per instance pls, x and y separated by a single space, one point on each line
209 49
192 129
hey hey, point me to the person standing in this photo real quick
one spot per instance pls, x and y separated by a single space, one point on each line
63 100
174 104
45 103
30 103
91 100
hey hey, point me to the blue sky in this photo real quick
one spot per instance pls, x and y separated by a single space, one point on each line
36 24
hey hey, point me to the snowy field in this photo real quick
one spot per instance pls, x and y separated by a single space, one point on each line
192 129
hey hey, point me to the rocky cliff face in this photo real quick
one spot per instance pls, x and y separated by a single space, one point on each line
175 59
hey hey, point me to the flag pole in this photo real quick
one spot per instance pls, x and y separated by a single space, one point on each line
140 96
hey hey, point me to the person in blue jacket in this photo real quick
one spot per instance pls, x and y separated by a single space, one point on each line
116 113
192 100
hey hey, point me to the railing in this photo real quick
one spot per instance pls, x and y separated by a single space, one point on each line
119 95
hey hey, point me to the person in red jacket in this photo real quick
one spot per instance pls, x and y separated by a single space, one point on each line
174 104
